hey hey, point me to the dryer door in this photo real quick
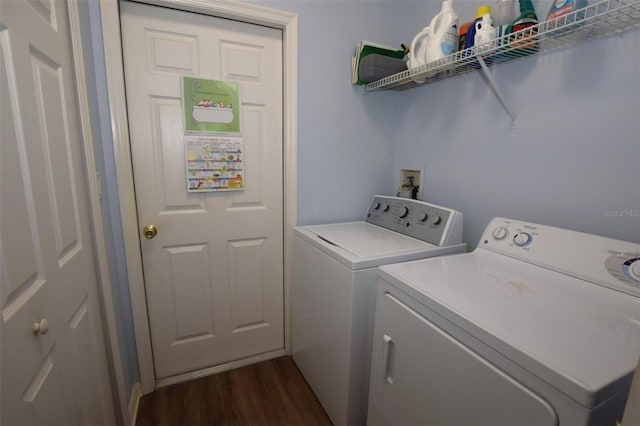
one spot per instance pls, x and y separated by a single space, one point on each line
421 375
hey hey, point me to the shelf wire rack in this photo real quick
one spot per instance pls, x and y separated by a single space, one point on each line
595 21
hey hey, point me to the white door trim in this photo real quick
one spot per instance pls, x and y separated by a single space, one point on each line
105 290
231 9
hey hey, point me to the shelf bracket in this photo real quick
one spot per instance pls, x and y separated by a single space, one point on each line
496 90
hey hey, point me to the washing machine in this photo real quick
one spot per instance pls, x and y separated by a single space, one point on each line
333 292
537 326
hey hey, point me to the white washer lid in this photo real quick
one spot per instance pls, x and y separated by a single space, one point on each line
581 338
360 245
366 240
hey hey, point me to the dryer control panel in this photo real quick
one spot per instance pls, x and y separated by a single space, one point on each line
601 260
427 222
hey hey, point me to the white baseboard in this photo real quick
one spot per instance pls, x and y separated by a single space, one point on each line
219 368
134 402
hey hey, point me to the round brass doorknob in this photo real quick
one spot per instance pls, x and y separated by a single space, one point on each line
41 327
150 231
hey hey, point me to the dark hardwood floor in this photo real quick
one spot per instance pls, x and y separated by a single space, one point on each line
269 393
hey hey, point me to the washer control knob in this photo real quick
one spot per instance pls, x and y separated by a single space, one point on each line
436 219
386 207
522 239
376 206
500 233
405 213
424 217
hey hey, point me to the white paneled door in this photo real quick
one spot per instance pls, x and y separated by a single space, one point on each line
214 271
53 361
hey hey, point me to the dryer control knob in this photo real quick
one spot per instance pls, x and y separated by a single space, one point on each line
376 206
436 219
634 270
386 207
500 233
405 213
522 239
424 217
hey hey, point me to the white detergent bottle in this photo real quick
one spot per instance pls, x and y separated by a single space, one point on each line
485 34
418 53
418 50
444 33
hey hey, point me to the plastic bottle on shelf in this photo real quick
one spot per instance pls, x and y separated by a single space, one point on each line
471 32
560 8
443 33
418 53
526 19
504 12
485 33
464 29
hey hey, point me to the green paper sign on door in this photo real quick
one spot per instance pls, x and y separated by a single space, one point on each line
210 106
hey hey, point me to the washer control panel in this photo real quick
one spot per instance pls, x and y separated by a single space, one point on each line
427 222
601 260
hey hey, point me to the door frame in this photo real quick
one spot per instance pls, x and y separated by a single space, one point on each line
105 288
230 9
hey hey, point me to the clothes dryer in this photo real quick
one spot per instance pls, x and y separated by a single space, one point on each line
333 292
538 326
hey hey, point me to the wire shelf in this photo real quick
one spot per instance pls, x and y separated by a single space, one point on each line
597 20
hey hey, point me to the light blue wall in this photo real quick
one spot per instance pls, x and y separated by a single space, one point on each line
573 158
346 140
